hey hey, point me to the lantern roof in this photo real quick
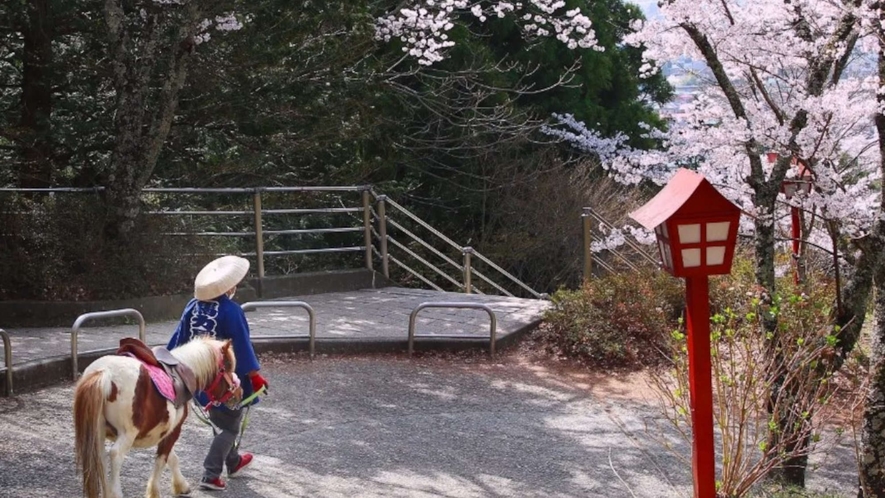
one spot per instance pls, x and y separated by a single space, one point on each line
687 194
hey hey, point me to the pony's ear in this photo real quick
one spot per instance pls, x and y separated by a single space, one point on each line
227 353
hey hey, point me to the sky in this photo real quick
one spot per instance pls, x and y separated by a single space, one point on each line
649 7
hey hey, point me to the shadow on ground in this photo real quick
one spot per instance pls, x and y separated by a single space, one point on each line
386 426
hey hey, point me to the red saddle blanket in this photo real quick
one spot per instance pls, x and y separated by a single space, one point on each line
172 379
162 380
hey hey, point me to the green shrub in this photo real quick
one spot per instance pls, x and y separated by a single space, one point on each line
620 321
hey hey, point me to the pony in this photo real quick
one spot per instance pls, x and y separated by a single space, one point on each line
115 399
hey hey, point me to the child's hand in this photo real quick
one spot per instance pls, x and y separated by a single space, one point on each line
258 382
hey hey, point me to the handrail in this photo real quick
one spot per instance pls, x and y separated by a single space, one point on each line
493 321
240 190
7 356
265 211
422 260
507 274
75 329
425 244
423 223
312 330
52 189
305 231
625 259
636 247
604 265
488 281
416 274
432 230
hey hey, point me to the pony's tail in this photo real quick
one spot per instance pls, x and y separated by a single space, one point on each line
89 433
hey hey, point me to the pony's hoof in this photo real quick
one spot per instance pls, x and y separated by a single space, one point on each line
185 492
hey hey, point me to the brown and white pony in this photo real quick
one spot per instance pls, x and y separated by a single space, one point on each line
116 399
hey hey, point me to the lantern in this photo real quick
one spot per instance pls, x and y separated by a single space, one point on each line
802 182
695 225
696 229
790 187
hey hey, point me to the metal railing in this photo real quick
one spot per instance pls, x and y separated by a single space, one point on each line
587 217
493 322
75 330
7 356
312 334
258 212
465 268
372 222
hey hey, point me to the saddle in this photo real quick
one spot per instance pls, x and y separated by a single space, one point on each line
184 381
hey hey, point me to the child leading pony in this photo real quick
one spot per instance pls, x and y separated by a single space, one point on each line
116 399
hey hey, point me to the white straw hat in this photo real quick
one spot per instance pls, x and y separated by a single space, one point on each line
220 276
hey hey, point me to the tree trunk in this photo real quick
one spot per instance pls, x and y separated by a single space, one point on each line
872 440
150 69
36 99
872 450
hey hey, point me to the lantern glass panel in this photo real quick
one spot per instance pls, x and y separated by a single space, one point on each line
663 228
718 232
691 258
715 255
690 234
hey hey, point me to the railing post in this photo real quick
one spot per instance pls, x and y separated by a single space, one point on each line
468 288
367 226
382 231
259 240
588 239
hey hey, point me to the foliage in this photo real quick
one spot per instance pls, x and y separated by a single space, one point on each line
616 321
55 251
304 94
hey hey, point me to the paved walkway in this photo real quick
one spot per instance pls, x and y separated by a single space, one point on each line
387 426
366 314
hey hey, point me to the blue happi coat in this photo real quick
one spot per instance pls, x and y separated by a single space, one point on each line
221 319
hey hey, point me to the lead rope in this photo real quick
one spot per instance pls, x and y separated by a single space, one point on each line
245 423
203 415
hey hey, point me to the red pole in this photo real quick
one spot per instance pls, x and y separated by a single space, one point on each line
794 218
701 386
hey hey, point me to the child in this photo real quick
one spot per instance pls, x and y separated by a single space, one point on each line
213 312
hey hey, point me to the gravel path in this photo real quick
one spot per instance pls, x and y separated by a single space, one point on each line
393 427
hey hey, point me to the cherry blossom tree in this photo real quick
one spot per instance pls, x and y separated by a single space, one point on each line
802 79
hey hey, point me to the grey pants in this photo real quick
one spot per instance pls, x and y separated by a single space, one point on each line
222 450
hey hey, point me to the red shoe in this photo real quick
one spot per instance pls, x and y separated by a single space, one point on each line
216 484
245 460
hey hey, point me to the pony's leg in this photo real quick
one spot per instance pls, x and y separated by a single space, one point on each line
166 454
153 491
117 453
180 486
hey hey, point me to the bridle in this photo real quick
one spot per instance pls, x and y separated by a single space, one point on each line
233 383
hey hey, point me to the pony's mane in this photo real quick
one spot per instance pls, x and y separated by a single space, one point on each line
201 355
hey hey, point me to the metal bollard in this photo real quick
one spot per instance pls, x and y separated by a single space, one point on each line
7 355
312 334
75 330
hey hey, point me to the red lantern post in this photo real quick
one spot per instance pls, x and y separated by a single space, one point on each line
696 228
801 183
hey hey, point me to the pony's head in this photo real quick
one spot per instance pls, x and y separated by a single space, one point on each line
213 363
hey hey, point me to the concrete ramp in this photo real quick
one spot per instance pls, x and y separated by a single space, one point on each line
369 320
